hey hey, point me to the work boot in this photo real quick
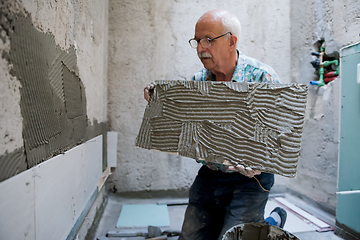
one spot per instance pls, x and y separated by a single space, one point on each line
277 217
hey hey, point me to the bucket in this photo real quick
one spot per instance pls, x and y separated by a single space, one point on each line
257 231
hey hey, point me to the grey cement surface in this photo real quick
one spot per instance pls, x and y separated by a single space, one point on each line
176 215
74 24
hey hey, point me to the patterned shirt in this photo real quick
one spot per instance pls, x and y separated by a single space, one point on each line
247 70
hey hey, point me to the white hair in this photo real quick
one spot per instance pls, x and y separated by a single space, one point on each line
231 24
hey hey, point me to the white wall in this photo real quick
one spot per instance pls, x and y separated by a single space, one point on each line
148 41
47 201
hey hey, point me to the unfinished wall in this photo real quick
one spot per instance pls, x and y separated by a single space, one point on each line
53 99
53 73
338 23
148 41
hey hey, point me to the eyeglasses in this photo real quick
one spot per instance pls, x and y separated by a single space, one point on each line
204 42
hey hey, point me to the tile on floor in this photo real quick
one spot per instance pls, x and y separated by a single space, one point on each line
302 227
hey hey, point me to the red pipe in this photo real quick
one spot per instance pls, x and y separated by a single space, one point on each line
329 74
329 79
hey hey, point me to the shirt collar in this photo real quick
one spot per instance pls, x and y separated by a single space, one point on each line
240 59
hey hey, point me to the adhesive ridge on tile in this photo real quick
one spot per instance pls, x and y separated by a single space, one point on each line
257 125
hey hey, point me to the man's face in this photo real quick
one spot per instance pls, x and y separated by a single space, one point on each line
217 55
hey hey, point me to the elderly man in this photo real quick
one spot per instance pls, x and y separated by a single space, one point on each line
220 197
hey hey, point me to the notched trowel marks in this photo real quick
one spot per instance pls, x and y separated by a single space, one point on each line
258 125
53 104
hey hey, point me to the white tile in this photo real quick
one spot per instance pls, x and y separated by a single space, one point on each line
64 186
17 207
303 213
112 141
92 170
55 183
47 200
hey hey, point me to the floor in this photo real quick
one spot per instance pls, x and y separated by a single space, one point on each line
304 221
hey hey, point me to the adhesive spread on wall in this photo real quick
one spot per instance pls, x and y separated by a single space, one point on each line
258 125
53 103
12 163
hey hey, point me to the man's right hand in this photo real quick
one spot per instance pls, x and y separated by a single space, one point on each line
148 90
246 171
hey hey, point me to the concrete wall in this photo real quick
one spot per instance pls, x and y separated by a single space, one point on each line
148 41
42 113
53 71
338 23
82 24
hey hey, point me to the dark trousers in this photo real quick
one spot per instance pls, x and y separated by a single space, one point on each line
219 201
